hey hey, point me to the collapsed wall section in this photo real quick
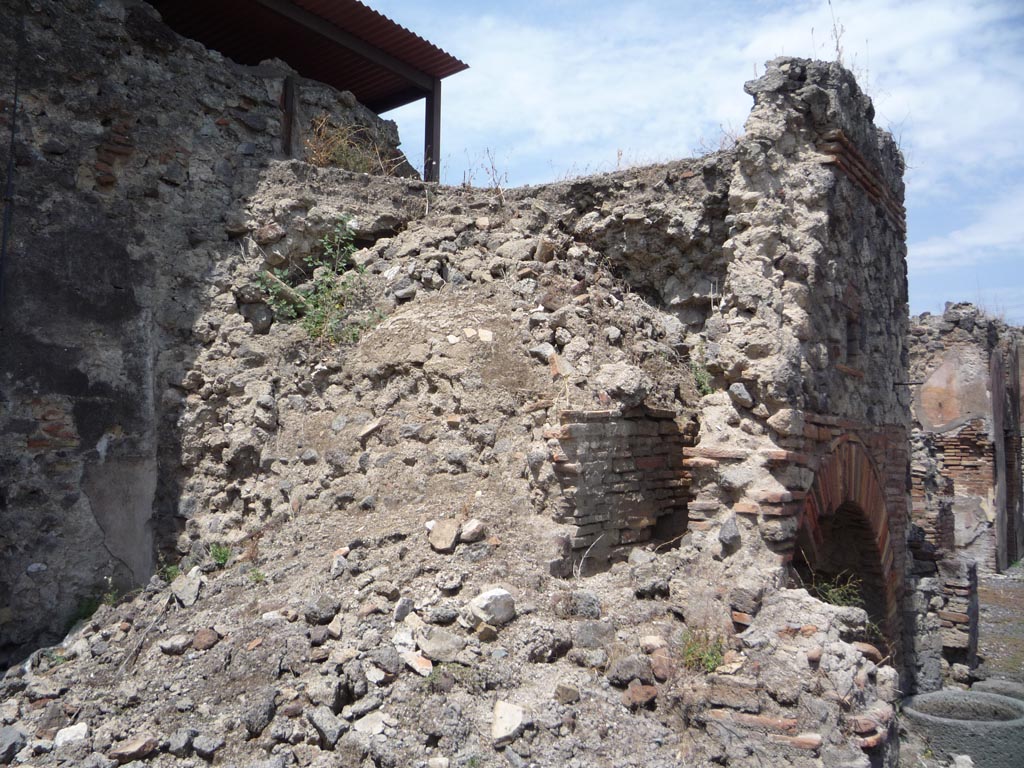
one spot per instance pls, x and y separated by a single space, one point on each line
771 276
806 346
665 330
799 350
794 315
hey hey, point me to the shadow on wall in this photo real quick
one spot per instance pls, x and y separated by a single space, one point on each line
845 568
842 552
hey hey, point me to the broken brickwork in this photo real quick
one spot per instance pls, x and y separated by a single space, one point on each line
621 477
803 343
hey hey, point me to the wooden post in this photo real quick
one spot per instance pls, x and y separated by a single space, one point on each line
289 105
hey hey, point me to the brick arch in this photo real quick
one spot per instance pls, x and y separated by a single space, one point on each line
847 501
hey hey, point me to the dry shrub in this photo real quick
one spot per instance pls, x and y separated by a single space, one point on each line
351 147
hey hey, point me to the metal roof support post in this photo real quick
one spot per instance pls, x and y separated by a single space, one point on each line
432 134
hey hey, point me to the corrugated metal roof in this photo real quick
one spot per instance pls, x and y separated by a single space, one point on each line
248 31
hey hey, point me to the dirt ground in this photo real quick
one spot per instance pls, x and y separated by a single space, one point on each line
1001 642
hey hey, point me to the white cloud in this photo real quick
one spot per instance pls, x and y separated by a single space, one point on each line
995 233
652 78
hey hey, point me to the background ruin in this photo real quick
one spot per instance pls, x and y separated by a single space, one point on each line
966 369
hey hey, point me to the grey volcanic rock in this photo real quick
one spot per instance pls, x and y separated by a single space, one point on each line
12 739
629 668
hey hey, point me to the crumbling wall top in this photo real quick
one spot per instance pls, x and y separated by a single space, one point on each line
824 97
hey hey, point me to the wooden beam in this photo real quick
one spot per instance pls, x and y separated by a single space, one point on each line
324 28
432 134
289 106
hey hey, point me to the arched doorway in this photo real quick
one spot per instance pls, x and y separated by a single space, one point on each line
843 542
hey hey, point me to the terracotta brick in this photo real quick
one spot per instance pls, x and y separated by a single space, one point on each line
638 696
870 651
774 497
762 722
872 741
699 463
780 510
650 462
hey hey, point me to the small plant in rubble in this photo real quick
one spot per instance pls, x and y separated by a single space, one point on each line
701 650
701 376
220 554
842 589
329 289
332 288
168 572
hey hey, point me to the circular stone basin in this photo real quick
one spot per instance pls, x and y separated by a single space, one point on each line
1002 687
986 726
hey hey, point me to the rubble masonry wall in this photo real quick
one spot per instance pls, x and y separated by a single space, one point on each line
132 144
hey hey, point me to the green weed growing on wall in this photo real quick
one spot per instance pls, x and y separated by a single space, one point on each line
328 287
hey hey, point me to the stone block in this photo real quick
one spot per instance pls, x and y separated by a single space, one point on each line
734 692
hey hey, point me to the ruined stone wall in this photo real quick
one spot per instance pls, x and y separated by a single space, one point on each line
757 295
967 476
132 145
716 342
942 617
808 339
796 315
931 494
968 460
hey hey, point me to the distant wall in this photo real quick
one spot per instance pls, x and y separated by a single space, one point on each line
967 468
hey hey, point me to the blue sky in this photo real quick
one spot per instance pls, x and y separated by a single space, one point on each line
568 87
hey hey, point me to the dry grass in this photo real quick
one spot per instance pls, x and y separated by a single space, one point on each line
351 147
